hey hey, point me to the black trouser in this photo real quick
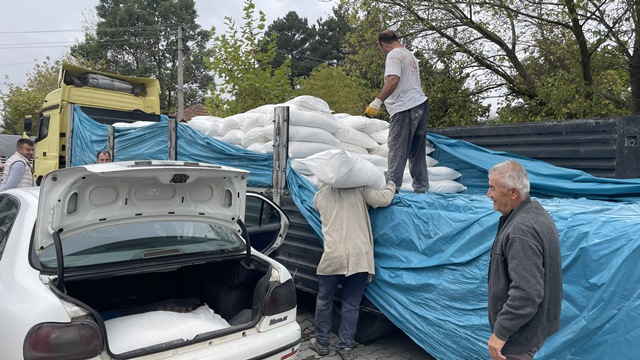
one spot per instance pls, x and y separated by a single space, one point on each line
407 140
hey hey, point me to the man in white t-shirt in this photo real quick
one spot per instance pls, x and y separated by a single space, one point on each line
409 109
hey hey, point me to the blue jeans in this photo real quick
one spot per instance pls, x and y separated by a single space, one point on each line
352 291
407 141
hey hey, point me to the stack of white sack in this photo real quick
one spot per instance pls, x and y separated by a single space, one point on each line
312 130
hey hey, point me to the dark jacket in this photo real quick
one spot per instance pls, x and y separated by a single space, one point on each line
525 278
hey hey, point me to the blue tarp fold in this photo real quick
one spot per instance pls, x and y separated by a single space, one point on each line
432 250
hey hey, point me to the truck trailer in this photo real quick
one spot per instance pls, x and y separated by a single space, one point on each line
431 250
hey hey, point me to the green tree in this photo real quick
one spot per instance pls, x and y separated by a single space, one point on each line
502 42
453 98
242 64
329 43
292 36
19 101
343 93
139 38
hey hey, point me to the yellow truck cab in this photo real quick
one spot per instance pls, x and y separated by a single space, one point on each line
106 98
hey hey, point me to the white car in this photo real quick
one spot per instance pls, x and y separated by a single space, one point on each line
143 260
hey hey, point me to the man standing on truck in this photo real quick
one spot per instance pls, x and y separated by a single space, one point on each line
17 168
347 258
525 270
409 109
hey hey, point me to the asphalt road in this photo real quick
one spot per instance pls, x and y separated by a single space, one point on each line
396 346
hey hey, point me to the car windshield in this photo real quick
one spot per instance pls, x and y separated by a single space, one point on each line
142 240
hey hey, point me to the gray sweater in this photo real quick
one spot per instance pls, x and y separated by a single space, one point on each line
525 278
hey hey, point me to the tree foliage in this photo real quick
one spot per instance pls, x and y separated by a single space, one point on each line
242 64
512 46
309 46
139 38
344 93
20 101
452 99
292 35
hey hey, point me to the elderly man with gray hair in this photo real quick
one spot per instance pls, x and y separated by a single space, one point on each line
525 270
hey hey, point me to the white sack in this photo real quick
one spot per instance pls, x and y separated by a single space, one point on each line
304 117
353 136
268 147
431 162
446 186
364 124
312 179
382 150
429 149
215 129
352 148
438 186
304 133
436 173
202 123
256 120
442 173
381 136
300 167
234 137
133 332
257 147
252 136
310 103
228 124
302 149
340 169
341 115
135 124
376 160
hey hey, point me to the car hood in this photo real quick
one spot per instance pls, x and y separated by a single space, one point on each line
78 198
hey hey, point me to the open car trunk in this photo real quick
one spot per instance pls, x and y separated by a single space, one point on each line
169 307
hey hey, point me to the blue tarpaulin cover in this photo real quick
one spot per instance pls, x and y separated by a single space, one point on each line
432 250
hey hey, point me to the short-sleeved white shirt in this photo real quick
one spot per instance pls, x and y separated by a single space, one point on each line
408 94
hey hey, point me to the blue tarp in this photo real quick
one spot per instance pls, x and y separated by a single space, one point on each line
432 250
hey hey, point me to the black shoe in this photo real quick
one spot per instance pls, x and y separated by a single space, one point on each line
322 350
419 192
346 353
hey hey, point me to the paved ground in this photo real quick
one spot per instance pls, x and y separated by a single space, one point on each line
396 346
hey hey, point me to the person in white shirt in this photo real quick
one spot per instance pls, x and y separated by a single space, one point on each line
17 168
409 109
347 259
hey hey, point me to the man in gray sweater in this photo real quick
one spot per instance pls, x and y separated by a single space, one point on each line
525 271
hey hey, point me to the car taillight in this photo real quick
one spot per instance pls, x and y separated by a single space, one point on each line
281 298
63 341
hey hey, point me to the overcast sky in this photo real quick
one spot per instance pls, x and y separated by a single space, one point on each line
31 30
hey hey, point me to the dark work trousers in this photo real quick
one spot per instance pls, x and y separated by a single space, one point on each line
527 355
407 140
352 291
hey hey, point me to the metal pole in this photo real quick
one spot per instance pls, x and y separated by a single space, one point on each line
280 151
180 115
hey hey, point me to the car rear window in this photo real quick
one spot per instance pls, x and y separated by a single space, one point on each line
142 240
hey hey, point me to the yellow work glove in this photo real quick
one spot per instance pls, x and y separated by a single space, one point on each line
373 108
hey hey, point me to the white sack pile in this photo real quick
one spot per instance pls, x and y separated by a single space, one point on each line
313 129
